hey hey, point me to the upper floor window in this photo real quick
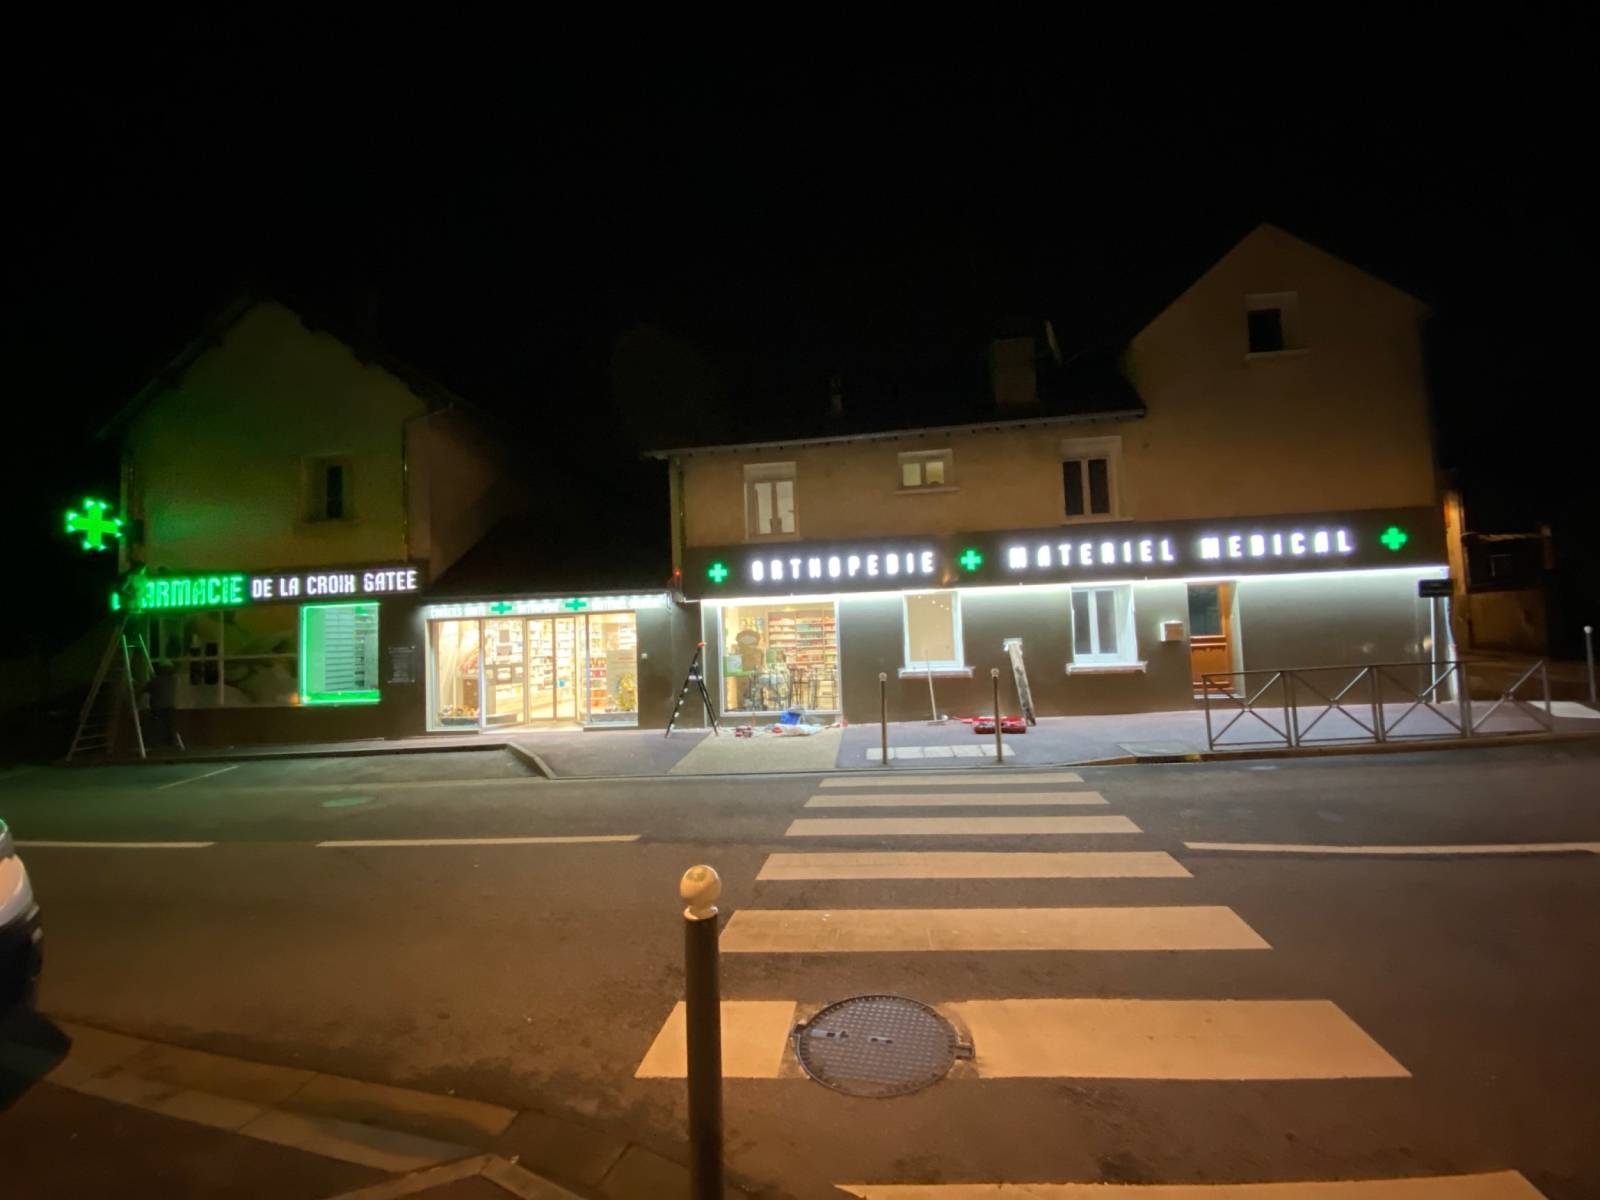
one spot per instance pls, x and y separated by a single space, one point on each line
327 488
1272 322
1090 470
769 510
926 469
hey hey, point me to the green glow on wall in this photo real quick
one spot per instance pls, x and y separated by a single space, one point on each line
155 593
339 654
94 526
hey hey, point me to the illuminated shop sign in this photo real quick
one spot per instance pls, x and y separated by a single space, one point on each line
1119 550
234 589
543 605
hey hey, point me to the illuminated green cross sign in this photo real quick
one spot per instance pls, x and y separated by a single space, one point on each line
1394 537
575 605
970 559
717 572
502 607
94 525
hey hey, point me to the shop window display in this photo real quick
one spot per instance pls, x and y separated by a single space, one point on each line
780 656
231 658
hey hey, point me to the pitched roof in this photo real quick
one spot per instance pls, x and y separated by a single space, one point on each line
215 328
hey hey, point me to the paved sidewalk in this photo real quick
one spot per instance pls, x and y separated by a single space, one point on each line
84 1111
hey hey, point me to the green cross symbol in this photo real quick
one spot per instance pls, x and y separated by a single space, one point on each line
575 605
717 571
1394 537
970 559
504 606
94 525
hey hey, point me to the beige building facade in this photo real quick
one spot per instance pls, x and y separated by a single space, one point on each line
1263 497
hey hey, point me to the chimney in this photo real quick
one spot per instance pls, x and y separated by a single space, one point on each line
1011 368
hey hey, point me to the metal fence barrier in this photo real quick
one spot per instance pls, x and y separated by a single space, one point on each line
1365 696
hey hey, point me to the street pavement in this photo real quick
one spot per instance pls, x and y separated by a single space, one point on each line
1143 1011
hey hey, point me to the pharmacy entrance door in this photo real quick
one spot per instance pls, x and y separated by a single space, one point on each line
555 657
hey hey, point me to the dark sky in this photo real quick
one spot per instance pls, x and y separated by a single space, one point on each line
505 215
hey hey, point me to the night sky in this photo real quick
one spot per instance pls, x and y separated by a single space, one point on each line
501 228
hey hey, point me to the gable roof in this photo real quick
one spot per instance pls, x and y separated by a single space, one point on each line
215 328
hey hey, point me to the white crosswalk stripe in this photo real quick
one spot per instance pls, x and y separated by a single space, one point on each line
995 777
813 931
953 826
955 800
975 864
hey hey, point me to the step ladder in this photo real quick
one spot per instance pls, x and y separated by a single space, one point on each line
101 716
696 678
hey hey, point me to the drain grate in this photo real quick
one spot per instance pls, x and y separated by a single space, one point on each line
878 1046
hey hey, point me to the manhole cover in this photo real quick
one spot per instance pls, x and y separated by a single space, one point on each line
878 1046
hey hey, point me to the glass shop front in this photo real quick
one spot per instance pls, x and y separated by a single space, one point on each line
489 672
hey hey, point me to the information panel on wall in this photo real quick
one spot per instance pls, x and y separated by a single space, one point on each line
339 654
234 589
1222 547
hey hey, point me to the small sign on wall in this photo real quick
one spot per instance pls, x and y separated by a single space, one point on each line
1430 588
402 664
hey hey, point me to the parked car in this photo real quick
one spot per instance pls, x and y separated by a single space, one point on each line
21 938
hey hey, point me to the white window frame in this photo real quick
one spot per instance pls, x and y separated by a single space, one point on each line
771 473
916 667
1083 449
918 459
1126 652
1288 306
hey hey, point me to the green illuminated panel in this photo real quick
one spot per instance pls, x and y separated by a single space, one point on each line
339 654
154 593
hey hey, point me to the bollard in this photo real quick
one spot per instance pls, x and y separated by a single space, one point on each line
700 889
883 714
999 746
1588 653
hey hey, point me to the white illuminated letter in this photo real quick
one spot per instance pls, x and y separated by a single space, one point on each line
794 568
833 566
1016 558
1041 556
1297 542
1108 552
1127 552
1166 551
1210 547
1086 554
852 564
891 564
872 564
1341 542
814 568
1147 550
1319 542
927 562
1064 550
260 588
777 569
1277 544
758 570
1258 545
1235 546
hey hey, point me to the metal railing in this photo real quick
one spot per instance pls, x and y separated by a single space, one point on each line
1359 703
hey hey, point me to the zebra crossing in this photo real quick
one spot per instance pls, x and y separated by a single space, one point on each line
1070 1037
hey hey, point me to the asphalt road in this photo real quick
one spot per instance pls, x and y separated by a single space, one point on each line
539 974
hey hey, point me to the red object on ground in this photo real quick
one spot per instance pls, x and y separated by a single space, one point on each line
1008 724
